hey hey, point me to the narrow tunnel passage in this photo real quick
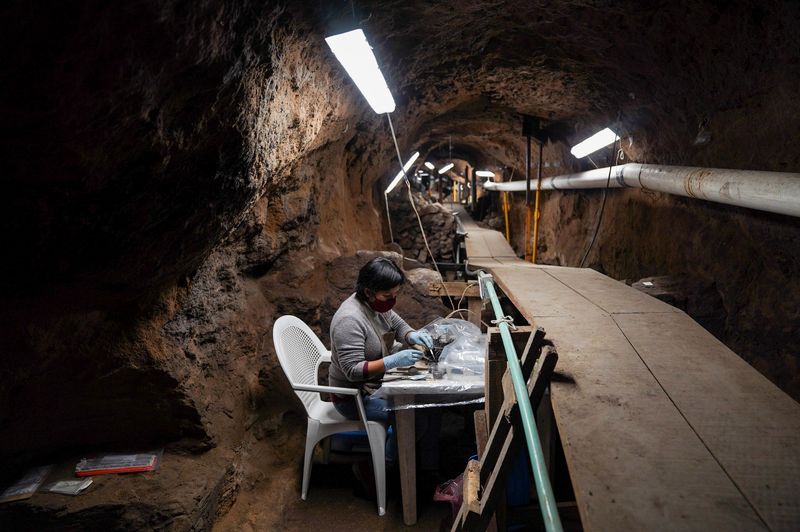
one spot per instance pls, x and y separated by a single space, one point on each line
182 175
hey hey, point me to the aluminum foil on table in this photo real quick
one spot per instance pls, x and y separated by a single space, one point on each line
429 392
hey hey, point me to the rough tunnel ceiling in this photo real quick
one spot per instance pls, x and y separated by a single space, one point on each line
161 126
581 63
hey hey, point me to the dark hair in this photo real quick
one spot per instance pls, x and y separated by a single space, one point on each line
378 274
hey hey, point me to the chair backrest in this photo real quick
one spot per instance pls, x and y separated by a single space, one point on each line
299 352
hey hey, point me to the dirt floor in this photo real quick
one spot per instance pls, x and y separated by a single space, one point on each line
336 492
336 500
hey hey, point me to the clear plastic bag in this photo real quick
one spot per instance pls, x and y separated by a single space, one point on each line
458 348
453 377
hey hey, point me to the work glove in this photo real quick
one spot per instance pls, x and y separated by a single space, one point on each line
406 357
420 338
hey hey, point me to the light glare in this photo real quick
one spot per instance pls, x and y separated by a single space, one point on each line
599 140
399 175
355 54
446 168
484 173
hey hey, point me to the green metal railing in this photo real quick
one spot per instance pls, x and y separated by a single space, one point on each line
547 501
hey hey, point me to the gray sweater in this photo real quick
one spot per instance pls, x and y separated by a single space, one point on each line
354 341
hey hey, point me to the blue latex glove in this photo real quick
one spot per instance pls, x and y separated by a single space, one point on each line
420 338
406 357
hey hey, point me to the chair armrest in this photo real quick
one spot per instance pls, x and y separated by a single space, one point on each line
362 414
326 357
326 389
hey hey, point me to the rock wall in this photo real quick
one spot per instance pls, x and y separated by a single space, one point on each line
437 221
149 168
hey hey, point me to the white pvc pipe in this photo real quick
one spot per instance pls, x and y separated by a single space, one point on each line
776 192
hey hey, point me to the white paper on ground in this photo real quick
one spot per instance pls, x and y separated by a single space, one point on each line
27 485
69 487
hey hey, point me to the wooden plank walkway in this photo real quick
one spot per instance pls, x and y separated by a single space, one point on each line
665 428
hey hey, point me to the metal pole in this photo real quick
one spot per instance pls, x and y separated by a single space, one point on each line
527 245
777 192
505 215
474 191
536 209
528 174
547 500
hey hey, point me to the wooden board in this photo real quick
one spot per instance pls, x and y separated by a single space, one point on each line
553 298
751 427
454 289
480 242
606 293
635 464
466 220
664 428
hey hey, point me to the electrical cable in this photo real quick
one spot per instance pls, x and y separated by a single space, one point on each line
468 311
602 205
464 293
416 213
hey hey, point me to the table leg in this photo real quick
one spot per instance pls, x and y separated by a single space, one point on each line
474 304
406 448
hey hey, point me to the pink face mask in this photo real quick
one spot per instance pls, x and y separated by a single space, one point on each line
382 306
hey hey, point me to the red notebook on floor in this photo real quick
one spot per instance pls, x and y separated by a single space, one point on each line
117 463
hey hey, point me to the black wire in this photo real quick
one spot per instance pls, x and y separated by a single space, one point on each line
414 207
602 205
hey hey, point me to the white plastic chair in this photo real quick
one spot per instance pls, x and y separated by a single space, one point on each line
300 353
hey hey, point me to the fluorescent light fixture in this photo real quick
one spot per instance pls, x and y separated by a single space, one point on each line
399 175
484 173
445 168
594 143
429 165
355 54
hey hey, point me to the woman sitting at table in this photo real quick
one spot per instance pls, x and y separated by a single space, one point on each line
364 334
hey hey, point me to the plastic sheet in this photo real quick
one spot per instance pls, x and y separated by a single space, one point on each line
459 349
25 487
431 393
454 375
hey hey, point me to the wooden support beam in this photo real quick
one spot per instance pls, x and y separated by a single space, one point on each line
406 441
472 486
545 424
481 431
475 306
524 342
505 442
455 289
481 439
497 401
